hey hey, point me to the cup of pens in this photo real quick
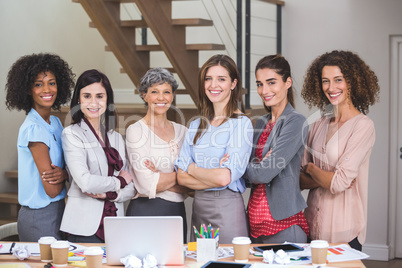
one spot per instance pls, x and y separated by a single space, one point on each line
207 243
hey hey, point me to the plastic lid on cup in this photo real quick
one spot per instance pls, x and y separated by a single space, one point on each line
319 244
46 240
241 240
93 251
60 244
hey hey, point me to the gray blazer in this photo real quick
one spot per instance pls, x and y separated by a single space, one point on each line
87 166
280 171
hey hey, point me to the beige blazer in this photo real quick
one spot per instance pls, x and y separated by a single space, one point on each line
87 166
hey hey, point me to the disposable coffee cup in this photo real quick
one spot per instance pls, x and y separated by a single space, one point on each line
241 248
319 249
60 252
44 247
93 257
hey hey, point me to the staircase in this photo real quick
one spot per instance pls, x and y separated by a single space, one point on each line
9 201
170 34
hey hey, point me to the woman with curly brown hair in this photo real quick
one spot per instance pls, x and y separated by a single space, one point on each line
37 84
336 159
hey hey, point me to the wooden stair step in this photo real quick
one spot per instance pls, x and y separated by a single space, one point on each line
170 69
7 220
205 47
134 23
127 1
179 91
193 22
11 174
9 198
188 47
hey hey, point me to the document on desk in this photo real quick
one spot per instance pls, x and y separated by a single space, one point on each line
344 253
265 265
14 265
339 253
6 248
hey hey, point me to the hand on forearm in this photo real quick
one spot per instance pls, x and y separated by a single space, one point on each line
213 177
55 175
321 177
185 179
179 189
307 182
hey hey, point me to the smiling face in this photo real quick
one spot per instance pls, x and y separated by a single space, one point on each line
334 85
44 91
93 100
159 97
271 88
218 85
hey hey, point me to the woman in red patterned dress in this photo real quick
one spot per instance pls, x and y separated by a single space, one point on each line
276 205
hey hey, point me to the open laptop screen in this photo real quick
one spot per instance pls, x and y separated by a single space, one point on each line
161 237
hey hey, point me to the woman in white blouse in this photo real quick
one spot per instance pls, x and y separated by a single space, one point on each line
153 144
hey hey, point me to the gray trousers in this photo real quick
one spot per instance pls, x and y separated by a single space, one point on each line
222 209
35 223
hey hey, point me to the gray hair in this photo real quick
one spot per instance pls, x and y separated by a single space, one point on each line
156 76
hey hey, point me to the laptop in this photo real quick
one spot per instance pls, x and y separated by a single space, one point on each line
161 237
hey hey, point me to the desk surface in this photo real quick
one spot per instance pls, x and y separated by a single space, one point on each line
34 261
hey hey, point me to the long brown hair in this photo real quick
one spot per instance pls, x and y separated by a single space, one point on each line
281 66
205 106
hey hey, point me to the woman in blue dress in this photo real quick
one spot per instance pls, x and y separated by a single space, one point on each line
216 151
37 84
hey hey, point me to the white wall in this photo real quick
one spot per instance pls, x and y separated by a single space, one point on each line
28 27
312 27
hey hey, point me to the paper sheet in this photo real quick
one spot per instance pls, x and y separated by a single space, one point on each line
223 252
338 253
32 247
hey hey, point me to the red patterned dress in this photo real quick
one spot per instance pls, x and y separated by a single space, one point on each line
261 221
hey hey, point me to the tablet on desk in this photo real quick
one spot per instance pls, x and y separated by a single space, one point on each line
218 264
284 247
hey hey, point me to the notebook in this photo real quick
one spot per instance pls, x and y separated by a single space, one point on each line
161 237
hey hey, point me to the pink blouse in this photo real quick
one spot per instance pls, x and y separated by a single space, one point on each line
339 215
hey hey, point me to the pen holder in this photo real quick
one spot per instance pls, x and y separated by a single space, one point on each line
207 249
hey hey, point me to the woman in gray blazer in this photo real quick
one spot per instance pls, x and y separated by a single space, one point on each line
275 208
96 161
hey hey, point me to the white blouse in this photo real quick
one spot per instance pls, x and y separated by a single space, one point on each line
142 144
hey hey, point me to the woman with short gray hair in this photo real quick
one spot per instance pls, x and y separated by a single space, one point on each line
156 76
153 144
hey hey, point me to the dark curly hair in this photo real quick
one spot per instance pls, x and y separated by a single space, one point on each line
361 80
22 75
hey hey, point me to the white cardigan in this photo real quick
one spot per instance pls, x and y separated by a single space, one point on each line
88 169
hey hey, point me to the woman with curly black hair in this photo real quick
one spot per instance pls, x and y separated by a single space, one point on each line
336 159
37 84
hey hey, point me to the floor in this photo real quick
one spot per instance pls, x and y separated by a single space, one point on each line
395 263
